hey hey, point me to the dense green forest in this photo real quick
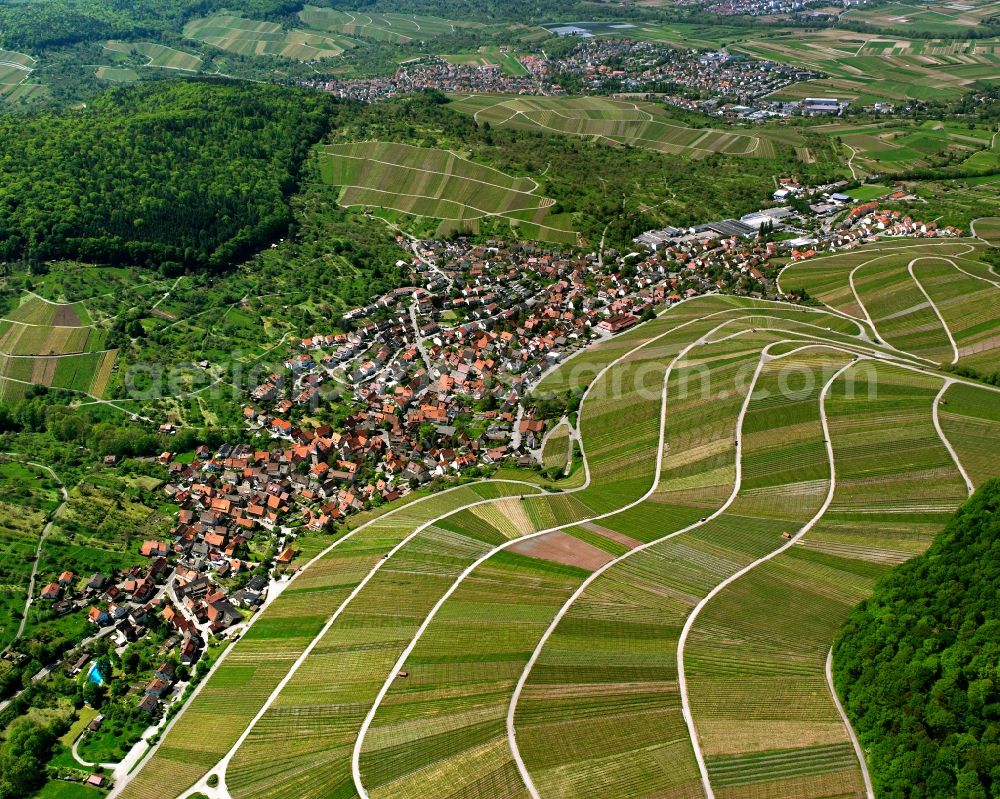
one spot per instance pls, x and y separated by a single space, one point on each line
37 24
917 664
196 173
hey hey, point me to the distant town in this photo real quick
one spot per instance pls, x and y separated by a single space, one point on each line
712 82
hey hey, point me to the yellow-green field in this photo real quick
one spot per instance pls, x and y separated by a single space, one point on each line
887 147
934 16
936 300
117 74
15 76
388 27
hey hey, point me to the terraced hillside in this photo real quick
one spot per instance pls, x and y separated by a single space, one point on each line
660 630
866 68
934 300
248 37
53 344
393 28
159 56
435 184
624 122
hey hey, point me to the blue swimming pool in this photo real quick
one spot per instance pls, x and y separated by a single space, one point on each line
94 675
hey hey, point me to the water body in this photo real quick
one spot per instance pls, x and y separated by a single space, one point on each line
94 675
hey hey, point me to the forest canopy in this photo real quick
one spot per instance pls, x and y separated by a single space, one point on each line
917 664
191 172
37 24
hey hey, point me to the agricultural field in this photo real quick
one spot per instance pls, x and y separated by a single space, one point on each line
389 27
865 69
439 185
935 16
99 529
622 122
934 300
885 148
988 229
680 35
490 56
53 344
117 74
662 627
15 74
249 37
158 55
558 450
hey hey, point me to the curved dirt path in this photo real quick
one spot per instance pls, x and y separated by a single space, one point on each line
948 383
858 750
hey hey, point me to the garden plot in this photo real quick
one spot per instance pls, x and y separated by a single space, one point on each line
29 496
437 184
558 450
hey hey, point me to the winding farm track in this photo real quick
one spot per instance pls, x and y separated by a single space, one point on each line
859 348
936 415
859 752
